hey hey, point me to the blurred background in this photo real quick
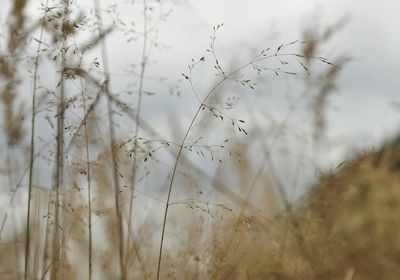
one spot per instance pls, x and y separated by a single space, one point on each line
265 136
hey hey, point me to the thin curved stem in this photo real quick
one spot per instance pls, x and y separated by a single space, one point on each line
210 93
32 151
106 89
59 168
88 179
174 172
137 130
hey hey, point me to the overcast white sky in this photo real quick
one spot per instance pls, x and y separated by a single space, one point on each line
362 113
367 85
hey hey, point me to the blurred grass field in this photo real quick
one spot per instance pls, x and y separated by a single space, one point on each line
90 185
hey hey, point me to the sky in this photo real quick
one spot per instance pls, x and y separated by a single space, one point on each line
363 111
368 85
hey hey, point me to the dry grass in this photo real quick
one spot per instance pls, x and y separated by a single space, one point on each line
82 199
349 222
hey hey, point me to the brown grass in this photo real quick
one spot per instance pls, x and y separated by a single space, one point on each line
349 224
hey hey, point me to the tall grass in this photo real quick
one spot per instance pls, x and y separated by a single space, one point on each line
99 216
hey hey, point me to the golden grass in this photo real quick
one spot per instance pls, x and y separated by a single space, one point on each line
349 222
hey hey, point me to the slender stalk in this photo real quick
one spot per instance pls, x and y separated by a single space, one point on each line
211 92
202 104
174 172
58 183
9 163
59 174
89 194
32 151
38 243
112 140
137 131
88 178
47 232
